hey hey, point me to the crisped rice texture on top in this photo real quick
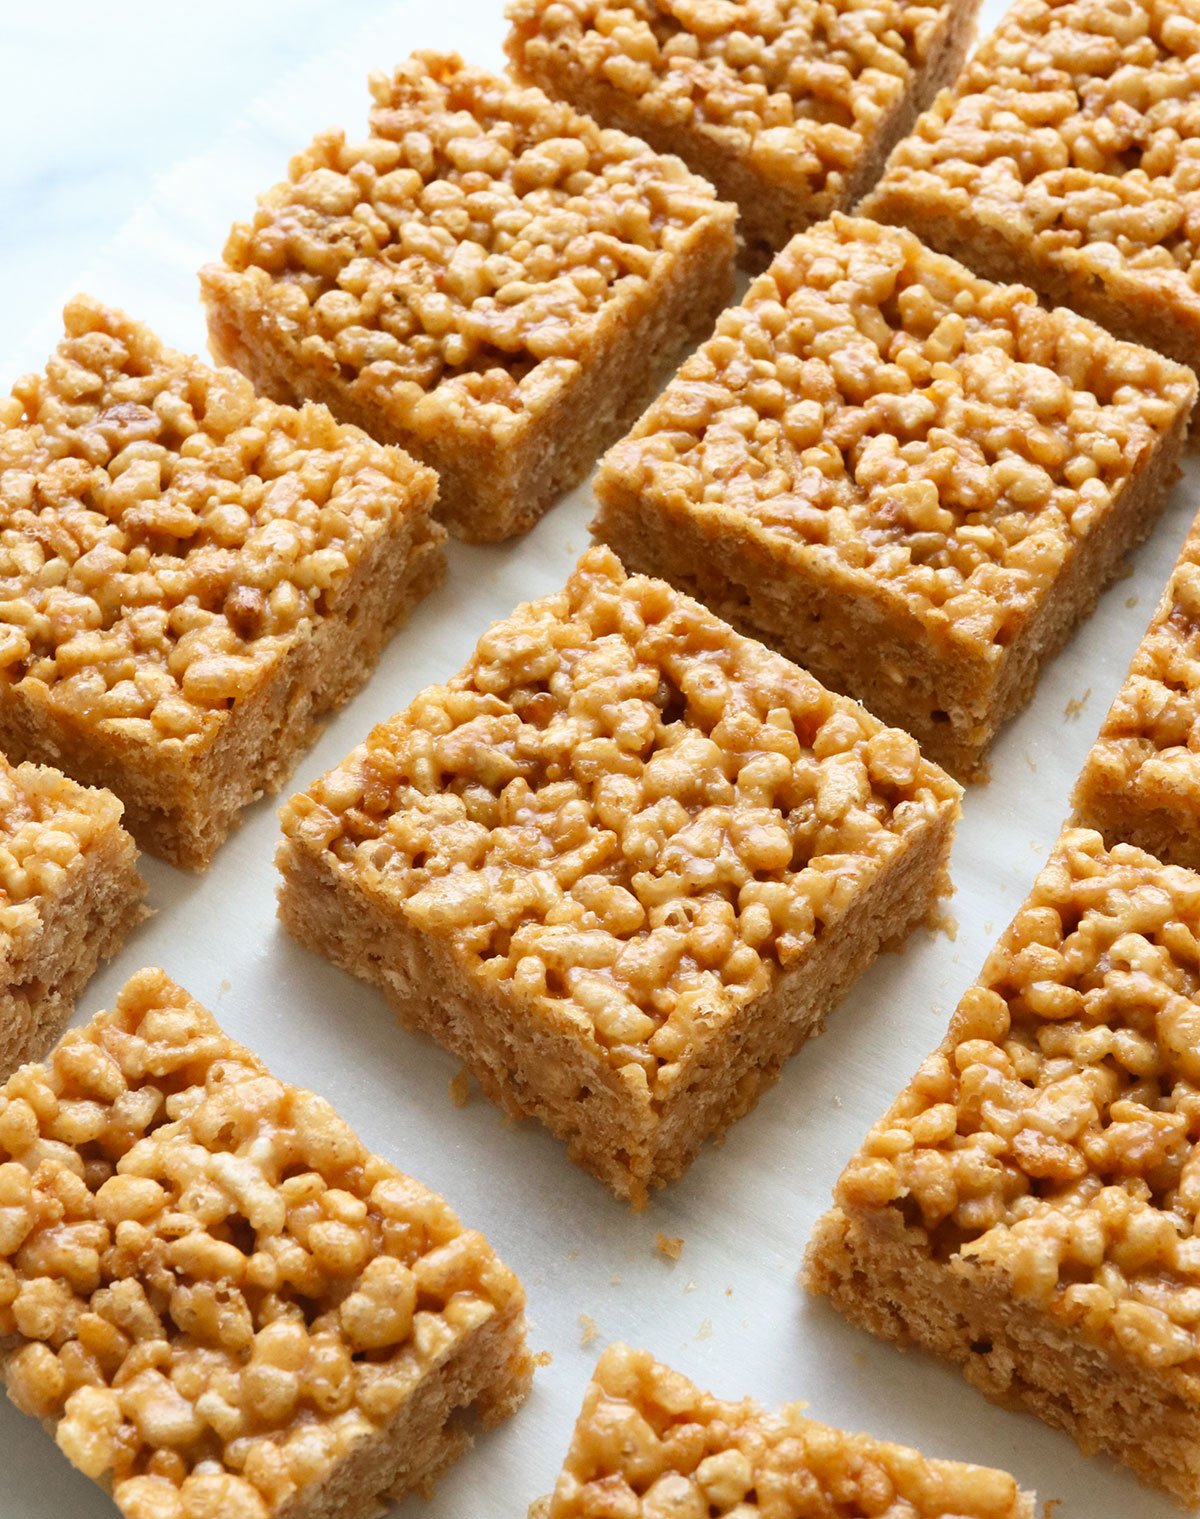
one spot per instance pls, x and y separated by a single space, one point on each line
625 812
788 104
451 279
649 1444
1066 156
208 1288
1054 1138
879 411
878 445
166 535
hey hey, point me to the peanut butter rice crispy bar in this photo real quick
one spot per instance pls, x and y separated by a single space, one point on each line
912 481
216 1299
622 866
191 578
489 280
1141 780
1066 158
789 107
1028 1206
650 1445
70 893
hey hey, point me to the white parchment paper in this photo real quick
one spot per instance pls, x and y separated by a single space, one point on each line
729 1313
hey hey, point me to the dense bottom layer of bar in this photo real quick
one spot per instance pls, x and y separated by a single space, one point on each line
484 1383
882 1278
97 911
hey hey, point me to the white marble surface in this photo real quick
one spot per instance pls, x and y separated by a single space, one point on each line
132 137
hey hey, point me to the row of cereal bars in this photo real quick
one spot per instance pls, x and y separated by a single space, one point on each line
628 859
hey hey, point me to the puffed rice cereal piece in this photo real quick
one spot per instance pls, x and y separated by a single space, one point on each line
70 894
1067 157
622 866
488 279
218 1301
790 107
191 577
911 481
651 1445
1028 1207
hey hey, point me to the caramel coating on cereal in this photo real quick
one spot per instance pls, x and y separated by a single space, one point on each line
166 536
47 825
207 1284
460 260
626 811
802 87
1148 750
650 1445
1053 1136
878 412
1073 127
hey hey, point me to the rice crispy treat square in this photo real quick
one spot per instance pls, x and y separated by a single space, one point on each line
789 107
1027 1207
910 480
622 866
70 894
489 280
216 1299
191 578
1141 780
1065 157
650 1444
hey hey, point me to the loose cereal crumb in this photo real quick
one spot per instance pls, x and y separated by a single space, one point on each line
587 1330
705 1332
669 1245
542 1359
460 1088
1077 703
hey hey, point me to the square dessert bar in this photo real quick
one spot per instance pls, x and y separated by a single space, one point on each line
216 1299
649 1444
489 280
622 866
789 107
1141 781
1027 1208
1065 157
70 893
191 578
912 481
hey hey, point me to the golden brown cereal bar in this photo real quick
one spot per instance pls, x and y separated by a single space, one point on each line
790 107
1064 157
489 280
191 578
1027 1208
622 866
650 1445
1141 780
217 1300
911 481
70 893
